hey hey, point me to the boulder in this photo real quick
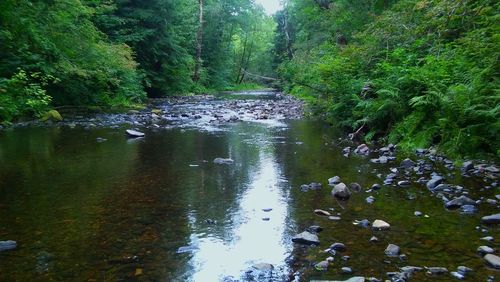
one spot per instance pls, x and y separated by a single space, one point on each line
306 238
340 191
491 219
134 133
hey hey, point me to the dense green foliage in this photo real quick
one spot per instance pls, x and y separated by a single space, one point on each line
112 52
417 73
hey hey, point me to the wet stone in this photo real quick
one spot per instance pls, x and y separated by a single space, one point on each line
322 212
376 186
307 238
370 199
485 250
380 225
338 247
392 250
417 213
458 202
334 180
436 270
488 239
346 270
341 192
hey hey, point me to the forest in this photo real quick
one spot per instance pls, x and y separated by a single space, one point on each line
411 72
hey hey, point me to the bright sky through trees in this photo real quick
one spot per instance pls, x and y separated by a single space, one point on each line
271 6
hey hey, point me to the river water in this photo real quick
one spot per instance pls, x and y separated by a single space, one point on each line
89 204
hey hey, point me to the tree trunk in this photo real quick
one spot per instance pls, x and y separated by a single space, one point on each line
199 44
287 35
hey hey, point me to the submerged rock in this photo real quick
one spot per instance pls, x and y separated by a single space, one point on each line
223 161
436 270
485 250
340 191
307 238
322 212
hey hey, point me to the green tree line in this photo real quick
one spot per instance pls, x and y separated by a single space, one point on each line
413 72
115 53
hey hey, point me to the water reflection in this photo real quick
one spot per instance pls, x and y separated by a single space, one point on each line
256 234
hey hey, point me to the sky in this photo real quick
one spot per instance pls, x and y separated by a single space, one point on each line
271 6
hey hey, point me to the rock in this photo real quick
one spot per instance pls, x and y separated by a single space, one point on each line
355 187
352 279
407 163
338 247
458 202
485 250
315 186
457 275
436 270
468 165
335 218
340 191
223 161
417 213
363 223
187 249
362 150
488 238
267 209
370 199
373 239
134 134
7 245
323 265
468 209
392 250
491 219
346 270
322 212
263 267
380 225
376 186
266 218
492 260
410 269
404 183
435 181
333 180
464 269
315 229
306 238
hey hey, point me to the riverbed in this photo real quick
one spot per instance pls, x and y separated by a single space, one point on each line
85 202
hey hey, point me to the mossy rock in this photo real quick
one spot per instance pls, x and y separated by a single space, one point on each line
52 115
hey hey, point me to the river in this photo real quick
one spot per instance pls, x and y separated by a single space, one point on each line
86 203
